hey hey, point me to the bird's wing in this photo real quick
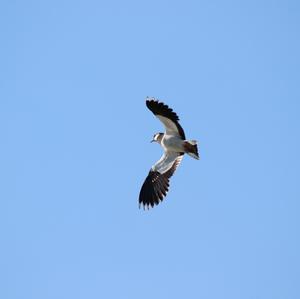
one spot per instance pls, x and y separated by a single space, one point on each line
167 116
156 185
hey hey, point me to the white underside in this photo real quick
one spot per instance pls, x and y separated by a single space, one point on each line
172 144
170 126
173 147
165 162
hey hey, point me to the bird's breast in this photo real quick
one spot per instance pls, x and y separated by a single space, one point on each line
172 143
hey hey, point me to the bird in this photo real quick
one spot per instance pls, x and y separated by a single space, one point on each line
174 144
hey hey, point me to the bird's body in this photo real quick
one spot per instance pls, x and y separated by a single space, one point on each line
174 145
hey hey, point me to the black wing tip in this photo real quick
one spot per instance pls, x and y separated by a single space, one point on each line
153 104
159 108
149 204
151 195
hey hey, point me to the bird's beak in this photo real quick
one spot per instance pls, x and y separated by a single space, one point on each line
152 140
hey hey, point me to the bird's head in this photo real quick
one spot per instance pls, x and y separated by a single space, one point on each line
157 137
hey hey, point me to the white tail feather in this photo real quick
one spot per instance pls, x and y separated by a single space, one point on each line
192 142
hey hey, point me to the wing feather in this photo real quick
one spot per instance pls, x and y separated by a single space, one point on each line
156 185
167 116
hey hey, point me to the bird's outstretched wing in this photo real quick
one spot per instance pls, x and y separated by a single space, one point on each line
167 116
156 185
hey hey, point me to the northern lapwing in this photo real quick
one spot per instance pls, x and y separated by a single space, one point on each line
175 145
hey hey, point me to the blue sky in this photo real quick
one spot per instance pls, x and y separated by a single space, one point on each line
75 135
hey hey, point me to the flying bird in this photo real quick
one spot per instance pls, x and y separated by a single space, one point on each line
174 144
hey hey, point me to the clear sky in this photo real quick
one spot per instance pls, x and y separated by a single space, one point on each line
75 149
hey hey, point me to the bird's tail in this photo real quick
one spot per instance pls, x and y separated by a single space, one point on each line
191 148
